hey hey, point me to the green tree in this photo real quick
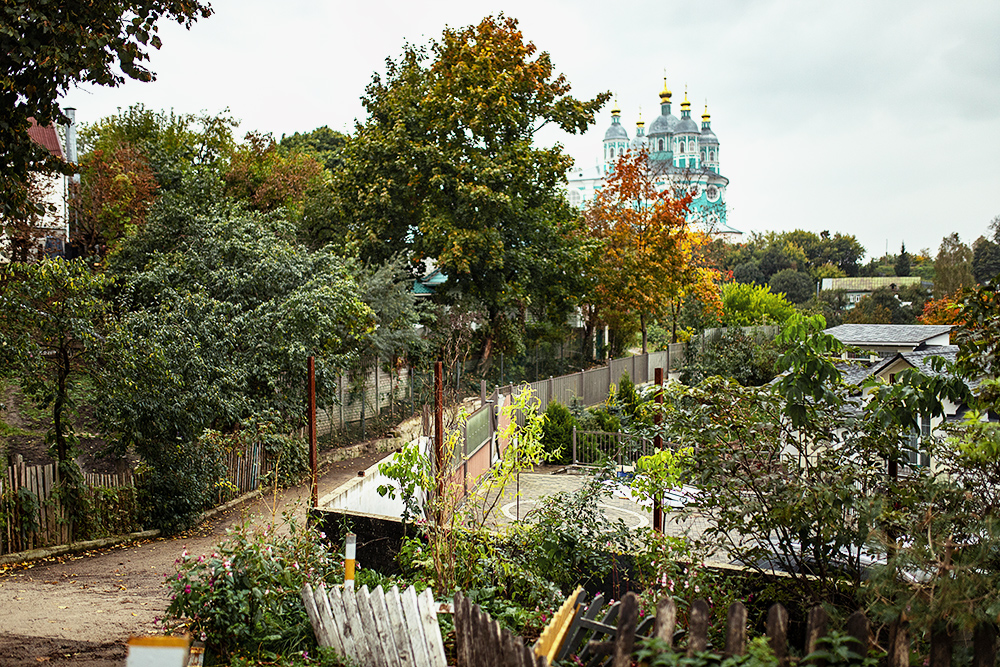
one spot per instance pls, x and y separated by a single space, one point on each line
432 174
985 259
225 320
881 307
268 178
324 144
797 286
746 305
953 266
49 47
902 265
51 330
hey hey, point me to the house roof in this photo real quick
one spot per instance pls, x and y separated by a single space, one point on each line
919 359
45 137
868 284
887 334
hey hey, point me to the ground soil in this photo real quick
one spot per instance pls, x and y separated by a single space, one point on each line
27 426
81 608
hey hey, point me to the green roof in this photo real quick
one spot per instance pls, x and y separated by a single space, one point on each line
868 284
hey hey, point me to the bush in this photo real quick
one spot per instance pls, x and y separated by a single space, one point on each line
557 431
244 598
177 482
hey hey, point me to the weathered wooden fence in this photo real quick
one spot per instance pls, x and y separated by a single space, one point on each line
246 467
381 629
611 639
31 514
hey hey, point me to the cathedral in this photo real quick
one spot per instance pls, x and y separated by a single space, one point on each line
682 157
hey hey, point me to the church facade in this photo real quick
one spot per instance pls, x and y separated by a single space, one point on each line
683 158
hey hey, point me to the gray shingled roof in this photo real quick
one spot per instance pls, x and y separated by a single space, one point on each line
887 334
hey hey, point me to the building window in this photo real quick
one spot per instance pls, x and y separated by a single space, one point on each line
917 452
711 156
660 144
682 147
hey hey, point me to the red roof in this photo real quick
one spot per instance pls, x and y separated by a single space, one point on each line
45 137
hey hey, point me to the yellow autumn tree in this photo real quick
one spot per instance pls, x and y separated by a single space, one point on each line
652 258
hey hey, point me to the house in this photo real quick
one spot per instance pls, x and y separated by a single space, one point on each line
884 340
49 230
884 350
855 289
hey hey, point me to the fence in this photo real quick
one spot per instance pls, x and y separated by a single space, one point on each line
594 448
479 444
32 515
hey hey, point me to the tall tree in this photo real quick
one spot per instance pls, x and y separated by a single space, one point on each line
444 168
649 259
50 332
953 266
50 46
902 264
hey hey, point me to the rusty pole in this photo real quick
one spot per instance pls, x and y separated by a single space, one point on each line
312 430
658 445
439 464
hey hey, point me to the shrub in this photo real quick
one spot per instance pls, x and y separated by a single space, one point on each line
557 431
176 482
244 598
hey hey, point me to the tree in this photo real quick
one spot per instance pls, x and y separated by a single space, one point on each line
50 331
50 46
750 273
943 310
115 192
649 253
985 259
797 286
880 307
953 266
902 265
324 144
268 178
225 319
444 168
748 305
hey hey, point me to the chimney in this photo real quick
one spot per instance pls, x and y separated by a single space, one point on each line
71 156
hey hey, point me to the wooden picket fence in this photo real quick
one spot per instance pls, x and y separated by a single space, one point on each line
246 467
31 515
377 628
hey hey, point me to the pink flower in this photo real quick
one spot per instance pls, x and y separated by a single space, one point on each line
187 589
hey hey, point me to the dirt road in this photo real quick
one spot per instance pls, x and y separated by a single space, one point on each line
81 608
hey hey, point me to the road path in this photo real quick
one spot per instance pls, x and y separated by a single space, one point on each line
81 608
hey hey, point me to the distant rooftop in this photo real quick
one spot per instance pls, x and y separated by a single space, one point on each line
45 137
869 284
888 334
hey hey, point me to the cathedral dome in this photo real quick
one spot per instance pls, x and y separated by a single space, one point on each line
664 124
708 137
616 132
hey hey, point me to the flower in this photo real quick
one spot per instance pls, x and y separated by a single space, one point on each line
187 589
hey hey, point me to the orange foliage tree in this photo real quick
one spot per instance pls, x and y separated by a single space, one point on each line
946 309
268 178
117 187
651 257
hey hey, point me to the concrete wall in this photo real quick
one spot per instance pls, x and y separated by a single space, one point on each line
361 493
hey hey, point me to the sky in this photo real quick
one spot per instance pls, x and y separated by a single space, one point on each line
877 118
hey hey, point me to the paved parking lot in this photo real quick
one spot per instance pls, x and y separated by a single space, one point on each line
530 489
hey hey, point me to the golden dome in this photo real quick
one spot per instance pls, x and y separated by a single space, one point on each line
705 117
665 94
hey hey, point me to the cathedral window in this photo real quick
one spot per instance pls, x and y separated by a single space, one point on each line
682 147
712 156
661 145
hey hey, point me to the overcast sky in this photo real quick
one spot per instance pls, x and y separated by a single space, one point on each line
874 118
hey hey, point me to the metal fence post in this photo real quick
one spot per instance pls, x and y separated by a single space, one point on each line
574 445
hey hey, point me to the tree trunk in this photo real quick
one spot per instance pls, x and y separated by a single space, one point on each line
642 325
